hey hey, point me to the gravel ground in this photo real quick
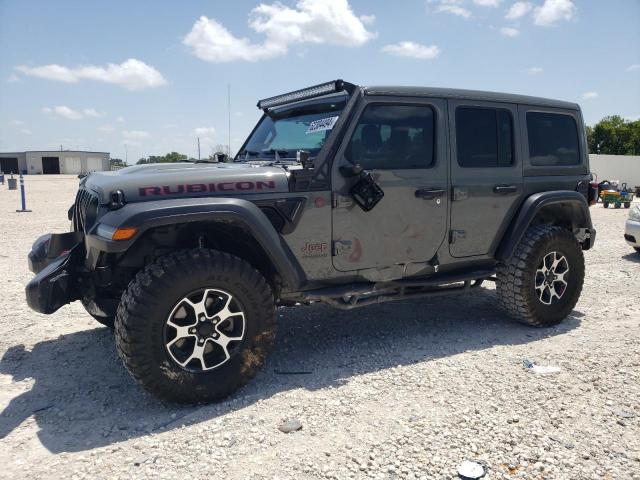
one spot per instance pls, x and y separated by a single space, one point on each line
400 390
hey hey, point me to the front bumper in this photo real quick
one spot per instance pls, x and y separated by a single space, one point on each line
55 259
632 233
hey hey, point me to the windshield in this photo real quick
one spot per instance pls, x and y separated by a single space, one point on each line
304 127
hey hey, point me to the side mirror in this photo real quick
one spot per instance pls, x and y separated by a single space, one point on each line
351 170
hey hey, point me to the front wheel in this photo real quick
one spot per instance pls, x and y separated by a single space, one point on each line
195 325
541 283
605 204
627 204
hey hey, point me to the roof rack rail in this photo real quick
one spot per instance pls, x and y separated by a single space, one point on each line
306 93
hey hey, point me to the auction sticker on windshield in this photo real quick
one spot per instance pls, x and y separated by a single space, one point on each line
321 125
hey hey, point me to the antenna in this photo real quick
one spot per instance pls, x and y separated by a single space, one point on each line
229 113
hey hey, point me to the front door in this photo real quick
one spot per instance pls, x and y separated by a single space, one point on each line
486 174
402 143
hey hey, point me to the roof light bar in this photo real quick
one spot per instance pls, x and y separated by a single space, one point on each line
306 93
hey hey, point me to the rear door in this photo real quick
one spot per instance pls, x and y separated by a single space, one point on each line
486 174
402 143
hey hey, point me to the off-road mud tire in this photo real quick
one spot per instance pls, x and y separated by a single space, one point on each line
516 278
149 299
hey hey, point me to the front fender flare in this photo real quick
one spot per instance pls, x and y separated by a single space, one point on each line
580 218
146 215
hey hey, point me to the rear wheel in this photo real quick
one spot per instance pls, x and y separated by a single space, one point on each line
605 204
541 283
627 204
196 325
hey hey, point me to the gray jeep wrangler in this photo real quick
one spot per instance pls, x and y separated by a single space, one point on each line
341 194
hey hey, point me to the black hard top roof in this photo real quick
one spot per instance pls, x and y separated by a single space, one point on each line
454 93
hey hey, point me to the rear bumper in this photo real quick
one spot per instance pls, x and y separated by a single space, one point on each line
54 259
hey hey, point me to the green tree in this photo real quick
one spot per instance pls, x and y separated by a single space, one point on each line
613 135
117 162
172 157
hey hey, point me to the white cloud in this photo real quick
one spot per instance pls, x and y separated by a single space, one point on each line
64 112
518 10
589 95
487 3
106 128
535 70
131 74
91 112
26 131
633 67
509 31
16 123
311 21
552 11
452 7
13 78
135 134
204 131
120 119
367 19
412 50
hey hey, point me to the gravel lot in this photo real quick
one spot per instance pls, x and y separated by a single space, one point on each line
400 390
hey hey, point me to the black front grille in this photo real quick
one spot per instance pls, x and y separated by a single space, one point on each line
85 211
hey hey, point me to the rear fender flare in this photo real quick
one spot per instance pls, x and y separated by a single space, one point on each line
147 215
573 206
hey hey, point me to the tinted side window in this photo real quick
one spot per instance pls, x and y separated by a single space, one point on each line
393 137
553 139
484 137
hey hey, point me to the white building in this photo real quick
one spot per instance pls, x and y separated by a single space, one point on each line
625 168
53 162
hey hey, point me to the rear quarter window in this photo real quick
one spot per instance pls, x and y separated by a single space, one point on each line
553 139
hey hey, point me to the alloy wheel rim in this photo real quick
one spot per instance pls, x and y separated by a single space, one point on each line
550 278
204 329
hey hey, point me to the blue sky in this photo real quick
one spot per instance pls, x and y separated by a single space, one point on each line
153 75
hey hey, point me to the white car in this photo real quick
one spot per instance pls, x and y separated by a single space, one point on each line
632 228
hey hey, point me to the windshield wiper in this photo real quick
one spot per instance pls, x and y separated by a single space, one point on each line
277 152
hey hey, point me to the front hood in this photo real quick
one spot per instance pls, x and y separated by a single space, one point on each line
174 180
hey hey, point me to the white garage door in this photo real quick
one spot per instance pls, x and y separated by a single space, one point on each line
70 165
94 164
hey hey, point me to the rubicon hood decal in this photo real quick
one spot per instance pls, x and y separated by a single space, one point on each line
207 187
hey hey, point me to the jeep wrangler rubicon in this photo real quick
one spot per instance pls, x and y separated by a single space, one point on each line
341 194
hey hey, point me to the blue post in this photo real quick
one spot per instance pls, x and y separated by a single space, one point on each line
22 196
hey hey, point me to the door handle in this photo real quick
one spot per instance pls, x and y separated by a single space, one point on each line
505 189
430 193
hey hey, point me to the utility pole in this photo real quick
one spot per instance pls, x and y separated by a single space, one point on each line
126 155
198 148
229 112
